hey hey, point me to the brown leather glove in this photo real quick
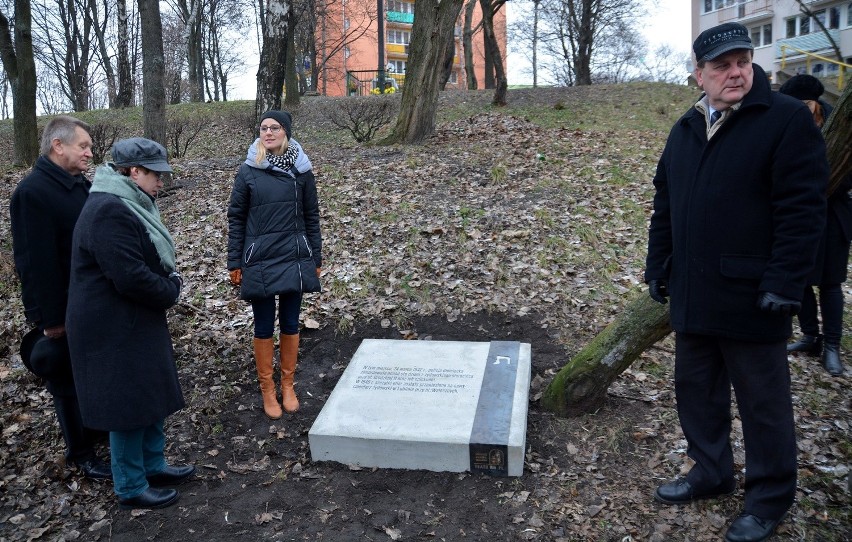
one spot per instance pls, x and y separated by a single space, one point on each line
319 271
236 276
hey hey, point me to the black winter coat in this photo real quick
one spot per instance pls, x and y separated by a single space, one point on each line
738 215
833 257
274 232
121 350
43 210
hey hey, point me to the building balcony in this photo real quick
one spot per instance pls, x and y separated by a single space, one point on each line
399 17
814 42
752 9
816 3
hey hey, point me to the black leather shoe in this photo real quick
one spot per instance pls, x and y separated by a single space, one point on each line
151 498
172 476
94 469
808 344
831 359
681 492
749 528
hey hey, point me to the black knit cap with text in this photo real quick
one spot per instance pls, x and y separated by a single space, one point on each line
720 39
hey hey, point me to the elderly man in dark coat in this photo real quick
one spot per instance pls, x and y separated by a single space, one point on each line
123 279
43 211
738 213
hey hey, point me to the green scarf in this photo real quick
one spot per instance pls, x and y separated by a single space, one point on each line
112 182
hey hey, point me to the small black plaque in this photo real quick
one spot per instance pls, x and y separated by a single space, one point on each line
489 459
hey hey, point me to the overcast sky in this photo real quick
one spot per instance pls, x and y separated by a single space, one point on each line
669 24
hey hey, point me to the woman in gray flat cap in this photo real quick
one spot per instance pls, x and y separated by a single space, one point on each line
123 279
275 248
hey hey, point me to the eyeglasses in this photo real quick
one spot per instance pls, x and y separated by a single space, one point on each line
273 129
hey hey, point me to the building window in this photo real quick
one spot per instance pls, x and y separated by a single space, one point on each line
833 21
849 15
402 37
454 77
397 65
834 17
799 26
761 35
399 6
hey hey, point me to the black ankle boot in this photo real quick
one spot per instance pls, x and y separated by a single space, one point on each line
831 359
808 344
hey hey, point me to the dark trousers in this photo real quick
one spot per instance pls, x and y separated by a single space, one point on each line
705 369
289 306
79 440
831 307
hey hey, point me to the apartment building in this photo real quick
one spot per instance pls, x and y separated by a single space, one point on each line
786 41
354 68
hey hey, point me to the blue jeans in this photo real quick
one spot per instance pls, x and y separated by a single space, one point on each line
135 454
289 306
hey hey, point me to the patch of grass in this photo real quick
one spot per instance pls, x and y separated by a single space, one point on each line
498 174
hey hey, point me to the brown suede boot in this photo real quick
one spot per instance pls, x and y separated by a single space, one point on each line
263 349
289 355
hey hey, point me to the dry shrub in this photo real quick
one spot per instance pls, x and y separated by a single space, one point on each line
364 116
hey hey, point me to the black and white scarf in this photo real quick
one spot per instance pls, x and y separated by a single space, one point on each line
284 161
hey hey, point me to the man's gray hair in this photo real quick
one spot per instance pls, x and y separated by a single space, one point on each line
63 128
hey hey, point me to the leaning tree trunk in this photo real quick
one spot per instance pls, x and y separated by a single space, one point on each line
838 139
581 385
433 22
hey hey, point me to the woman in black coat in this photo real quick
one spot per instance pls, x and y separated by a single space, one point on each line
123 279
275 248
833 257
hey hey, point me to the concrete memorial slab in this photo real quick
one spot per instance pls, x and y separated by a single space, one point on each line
434 405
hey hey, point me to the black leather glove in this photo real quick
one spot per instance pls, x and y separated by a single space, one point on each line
658 289
778 304
175 277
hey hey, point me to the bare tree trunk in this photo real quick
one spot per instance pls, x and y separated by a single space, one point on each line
77 54
536 12
433 22
273 56
492 50
124 94
581 385
190 12
583 28
467 44
100 29
447 63
291 77
153 72
19 64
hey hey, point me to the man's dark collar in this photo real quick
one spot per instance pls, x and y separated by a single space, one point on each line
51 168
